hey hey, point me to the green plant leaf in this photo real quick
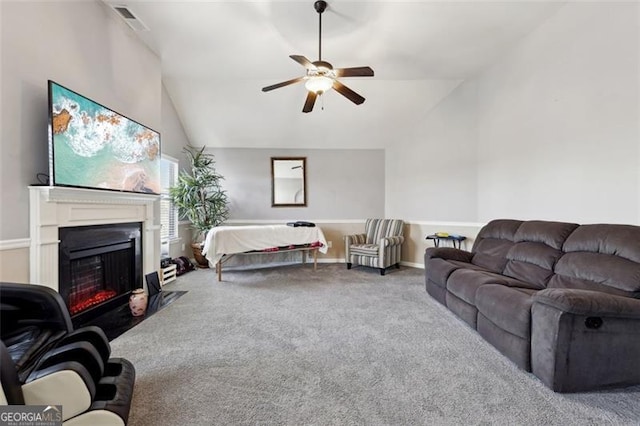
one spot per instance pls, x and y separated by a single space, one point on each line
198 194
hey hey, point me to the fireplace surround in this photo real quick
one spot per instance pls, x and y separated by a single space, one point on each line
54 208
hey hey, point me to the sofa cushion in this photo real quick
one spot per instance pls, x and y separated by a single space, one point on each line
493 243
552 234
536 250
598 272
619 240
465 265
464 283
438 270
601 257
517 349
507 307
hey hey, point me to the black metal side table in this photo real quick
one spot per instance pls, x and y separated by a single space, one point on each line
455 239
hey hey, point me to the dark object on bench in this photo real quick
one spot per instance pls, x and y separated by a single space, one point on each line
301 223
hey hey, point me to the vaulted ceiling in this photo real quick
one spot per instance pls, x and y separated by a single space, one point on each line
217 55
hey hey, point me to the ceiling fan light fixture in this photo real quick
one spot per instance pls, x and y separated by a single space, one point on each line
318 84
321 76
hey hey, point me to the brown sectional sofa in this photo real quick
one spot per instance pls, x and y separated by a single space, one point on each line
561 300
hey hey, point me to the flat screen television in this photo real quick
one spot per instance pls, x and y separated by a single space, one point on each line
92 146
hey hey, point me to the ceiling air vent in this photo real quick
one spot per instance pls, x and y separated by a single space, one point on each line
131 19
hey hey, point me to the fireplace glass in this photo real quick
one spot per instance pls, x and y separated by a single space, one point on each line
99 264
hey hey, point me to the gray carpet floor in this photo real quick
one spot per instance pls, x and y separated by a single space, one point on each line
289 346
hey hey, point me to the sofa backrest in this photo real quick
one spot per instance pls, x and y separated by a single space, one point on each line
601 257
375 229
493 243
536 249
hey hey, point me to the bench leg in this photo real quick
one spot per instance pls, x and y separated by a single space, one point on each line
219 269
315 259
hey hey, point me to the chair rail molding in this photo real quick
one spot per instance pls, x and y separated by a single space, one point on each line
20 243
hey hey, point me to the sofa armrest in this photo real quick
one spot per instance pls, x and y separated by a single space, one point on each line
448 253
590 303
583 340
391 241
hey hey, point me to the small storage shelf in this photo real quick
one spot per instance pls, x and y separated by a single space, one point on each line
456 240
169 273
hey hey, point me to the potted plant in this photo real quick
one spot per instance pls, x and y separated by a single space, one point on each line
200 198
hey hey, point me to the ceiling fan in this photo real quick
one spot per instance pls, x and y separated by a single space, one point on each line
321 76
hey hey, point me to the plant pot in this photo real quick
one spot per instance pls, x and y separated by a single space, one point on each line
197 254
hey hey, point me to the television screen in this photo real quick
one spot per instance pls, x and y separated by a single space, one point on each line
92 146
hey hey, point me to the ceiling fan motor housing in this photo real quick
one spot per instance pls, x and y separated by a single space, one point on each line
320 6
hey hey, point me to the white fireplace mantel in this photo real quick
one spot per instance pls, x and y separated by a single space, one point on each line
54 207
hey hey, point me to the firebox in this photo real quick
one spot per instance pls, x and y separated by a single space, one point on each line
98 267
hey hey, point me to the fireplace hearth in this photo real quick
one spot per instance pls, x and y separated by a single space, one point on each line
98 267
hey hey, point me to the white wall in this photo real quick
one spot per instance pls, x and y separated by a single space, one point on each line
432 173
558 121
550 131
174 138
173 141
82 45
341 184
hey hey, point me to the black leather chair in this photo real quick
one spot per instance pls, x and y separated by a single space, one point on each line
46 362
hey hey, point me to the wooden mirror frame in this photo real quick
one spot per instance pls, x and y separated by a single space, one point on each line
293 203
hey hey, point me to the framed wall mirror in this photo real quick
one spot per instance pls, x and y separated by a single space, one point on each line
288 181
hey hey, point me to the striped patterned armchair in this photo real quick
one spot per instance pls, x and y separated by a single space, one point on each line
379 247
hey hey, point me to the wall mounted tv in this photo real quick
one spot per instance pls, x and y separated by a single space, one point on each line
92 146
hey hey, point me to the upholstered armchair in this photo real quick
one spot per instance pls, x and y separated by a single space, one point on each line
379 247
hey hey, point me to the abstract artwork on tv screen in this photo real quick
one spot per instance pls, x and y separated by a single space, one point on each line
92 146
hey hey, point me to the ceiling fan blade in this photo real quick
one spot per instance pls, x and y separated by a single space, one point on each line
284 83
308 104
303 61
347 93
354 72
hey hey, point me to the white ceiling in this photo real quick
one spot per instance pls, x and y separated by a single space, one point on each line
217 55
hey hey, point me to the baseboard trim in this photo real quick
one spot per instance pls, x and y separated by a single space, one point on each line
412 264
402 263
16 244
324 260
